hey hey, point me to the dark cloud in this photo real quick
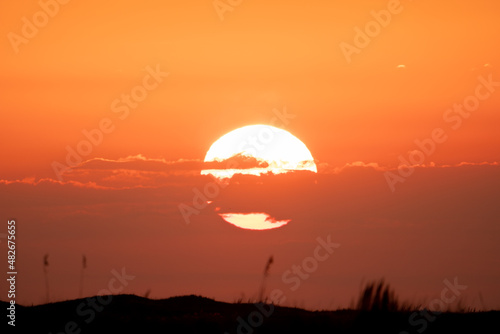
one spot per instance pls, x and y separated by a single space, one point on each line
440 223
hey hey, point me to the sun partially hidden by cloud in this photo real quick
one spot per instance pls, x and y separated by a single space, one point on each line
277 151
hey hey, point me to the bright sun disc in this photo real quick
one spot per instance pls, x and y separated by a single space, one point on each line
282 151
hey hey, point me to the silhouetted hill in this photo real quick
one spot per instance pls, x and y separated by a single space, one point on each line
194 314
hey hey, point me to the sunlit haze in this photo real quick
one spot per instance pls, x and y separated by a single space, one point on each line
187 143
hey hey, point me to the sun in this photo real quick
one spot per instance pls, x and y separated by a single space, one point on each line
253 221
278 149
256 150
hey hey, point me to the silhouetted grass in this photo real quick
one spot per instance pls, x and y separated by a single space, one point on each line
378 296
262 291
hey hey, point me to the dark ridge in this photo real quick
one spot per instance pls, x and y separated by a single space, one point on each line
196 314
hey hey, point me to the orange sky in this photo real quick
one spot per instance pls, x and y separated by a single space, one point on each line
263 57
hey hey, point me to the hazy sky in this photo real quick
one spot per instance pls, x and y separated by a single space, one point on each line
360 83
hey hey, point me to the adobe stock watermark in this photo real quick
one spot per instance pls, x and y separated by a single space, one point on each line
88 309
372 29
454 117
449 294
120 106
223 6
30 28
202 197
293 278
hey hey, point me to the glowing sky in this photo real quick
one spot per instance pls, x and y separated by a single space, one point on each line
108 110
